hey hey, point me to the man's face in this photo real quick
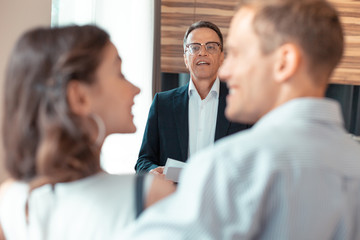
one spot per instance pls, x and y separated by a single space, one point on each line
203 65
247 72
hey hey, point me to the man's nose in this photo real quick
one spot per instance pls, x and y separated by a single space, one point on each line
203 51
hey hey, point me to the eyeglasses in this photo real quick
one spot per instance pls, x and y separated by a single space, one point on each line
211 47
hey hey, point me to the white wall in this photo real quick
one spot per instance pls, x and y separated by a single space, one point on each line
130 24
16 16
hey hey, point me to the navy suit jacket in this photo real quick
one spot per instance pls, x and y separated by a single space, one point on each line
167 130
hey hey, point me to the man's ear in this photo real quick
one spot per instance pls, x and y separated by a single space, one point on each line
78 95
222 57
287 62
185 61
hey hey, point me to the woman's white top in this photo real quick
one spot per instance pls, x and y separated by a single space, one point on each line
90 208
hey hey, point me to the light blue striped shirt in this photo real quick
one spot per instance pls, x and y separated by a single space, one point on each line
294 175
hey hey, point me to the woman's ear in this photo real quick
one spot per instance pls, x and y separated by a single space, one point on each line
78 95
287 62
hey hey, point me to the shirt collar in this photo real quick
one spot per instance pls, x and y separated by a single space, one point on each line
315 109
213 91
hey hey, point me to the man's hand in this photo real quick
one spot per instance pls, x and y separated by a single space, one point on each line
158 171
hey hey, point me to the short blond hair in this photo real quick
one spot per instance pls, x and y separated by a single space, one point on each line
313 25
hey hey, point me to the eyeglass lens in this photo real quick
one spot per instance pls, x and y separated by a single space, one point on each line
211 47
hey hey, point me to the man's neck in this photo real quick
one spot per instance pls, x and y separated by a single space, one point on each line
203 86
300 89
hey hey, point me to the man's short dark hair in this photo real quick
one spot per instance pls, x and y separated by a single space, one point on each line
204 24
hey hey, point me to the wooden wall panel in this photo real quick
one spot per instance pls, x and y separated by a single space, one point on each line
177 15
348 72
218 12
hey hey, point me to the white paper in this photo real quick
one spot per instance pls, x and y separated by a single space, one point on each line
172 169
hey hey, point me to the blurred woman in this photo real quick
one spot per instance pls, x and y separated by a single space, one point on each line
64 93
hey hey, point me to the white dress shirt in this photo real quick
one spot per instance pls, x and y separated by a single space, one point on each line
202 117
294 175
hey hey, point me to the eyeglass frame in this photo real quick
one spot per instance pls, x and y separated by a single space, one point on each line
202 44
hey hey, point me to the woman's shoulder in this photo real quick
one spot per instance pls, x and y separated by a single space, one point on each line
106 179
13 197
11 186
100 185
5 186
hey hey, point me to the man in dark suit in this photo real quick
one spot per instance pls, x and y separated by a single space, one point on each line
186 119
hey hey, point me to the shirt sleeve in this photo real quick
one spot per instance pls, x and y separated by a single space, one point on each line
215 199
149 150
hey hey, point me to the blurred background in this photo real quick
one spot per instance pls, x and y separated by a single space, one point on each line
148 35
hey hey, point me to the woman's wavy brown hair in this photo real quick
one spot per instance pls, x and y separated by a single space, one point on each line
44 141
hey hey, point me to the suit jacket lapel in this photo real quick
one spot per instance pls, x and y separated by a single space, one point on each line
180 112
222 124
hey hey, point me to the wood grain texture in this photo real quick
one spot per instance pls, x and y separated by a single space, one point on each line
178 15
348 71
